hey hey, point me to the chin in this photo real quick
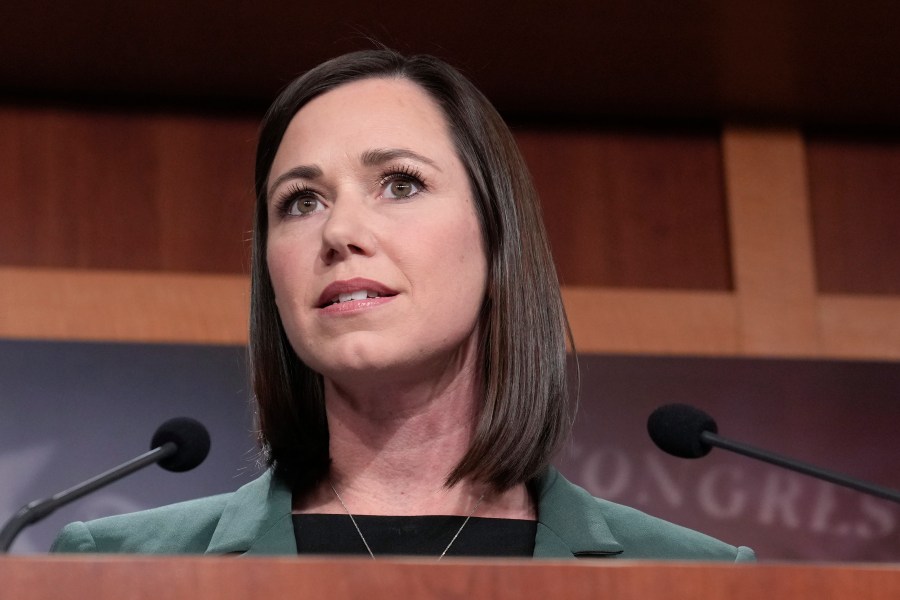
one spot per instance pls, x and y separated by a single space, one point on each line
388 361
353 364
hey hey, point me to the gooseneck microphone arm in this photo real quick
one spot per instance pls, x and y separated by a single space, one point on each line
178 445
39 509
688 432
718 441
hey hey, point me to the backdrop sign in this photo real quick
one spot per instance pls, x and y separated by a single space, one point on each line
840 415
71 410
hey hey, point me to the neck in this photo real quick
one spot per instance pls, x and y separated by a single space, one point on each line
393 447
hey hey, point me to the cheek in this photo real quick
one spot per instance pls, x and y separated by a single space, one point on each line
286 271
454 248
275 260
289 283
465 264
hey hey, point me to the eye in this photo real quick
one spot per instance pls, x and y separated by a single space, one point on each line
400 188
300 201
402 183
302 206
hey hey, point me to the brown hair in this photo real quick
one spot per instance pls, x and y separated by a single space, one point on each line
525 412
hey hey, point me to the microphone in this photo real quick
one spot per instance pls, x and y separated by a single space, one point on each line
688 432
179 444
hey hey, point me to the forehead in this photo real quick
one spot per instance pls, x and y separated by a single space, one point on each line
365 114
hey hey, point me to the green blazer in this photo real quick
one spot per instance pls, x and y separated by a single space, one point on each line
256 519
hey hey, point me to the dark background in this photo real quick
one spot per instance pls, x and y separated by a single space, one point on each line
798 62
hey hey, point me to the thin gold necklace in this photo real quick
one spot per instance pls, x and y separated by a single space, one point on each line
363 538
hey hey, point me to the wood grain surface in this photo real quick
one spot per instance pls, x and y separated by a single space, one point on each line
128 226
103 577
123 306
771 240
116 190
855 207
633 209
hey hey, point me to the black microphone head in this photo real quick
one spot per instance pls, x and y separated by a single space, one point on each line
191 438
676 429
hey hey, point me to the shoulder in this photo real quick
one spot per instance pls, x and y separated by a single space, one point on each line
646 536
227 523
591 526
185 527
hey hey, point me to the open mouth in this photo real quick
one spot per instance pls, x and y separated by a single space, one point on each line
356 295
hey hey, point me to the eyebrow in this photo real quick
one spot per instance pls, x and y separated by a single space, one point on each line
369 158
379 156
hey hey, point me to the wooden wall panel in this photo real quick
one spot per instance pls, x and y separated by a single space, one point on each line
860 327
644 210
125 191
174 193
634 321
773 264
107 305
103 209
855 200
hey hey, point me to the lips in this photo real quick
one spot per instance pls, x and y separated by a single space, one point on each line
353 289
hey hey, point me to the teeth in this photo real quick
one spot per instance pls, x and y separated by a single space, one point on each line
357 295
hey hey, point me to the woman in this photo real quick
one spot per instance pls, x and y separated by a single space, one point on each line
407 343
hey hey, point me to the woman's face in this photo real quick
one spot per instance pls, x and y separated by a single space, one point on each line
374 248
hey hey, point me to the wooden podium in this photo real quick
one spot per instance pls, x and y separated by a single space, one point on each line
222 578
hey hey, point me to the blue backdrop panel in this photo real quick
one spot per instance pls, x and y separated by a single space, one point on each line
71 410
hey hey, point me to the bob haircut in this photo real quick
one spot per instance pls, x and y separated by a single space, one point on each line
525 412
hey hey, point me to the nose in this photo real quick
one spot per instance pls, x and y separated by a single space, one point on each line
346 230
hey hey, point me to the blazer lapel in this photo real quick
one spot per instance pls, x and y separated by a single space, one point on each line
256 520
569 521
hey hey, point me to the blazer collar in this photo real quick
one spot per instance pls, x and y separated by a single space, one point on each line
570 523
256 520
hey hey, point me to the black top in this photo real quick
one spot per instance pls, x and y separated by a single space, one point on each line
422 536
